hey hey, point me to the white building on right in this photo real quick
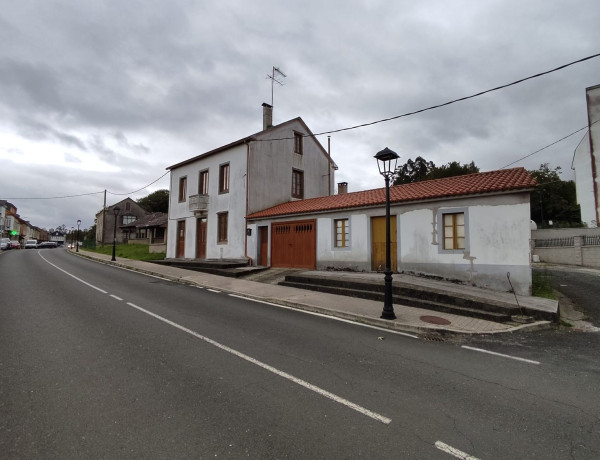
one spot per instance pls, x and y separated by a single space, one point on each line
586 162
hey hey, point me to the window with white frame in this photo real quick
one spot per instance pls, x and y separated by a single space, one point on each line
342 233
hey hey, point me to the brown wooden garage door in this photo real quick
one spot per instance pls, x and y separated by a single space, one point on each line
294 244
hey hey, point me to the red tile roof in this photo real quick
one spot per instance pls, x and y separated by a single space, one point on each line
491 182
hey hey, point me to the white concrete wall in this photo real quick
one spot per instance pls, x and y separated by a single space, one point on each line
584 182
498 238
233 202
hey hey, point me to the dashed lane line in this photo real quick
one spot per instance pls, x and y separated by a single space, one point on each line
516 358
298 381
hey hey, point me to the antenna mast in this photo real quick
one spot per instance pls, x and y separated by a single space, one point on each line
273 77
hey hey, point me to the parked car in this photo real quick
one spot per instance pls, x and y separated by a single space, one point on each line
47 244
5 244
15 244
31 244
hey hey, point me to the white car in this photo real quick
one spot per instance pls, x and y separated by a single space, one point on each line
5 244
31 244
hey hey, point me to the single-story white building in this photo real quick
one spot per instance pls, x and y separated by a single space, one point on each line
473 228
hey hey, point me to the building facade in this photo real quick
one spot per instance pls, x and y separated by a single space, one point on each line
473 229
586 162
211 194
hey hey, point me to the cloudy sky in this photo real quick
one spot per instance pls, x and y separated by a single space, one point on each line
106 94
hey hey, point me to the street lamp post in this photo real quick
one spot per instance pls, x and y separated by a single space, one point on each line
77 243
116 210
384 162
72 236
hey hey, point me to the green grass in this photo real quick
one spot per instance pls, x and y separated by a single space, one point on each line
542 285
129 251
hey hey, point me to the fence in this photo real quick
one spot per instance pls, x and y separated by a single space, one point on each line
564 247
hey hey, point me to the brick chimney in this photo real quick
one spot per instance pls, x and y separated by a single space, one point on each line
342 188
267 116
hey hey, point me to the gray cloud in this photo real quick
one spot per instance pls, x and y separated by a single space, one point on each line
143 85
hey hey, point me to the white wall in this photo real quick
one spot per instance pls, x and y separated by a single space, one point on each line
233 202
498 238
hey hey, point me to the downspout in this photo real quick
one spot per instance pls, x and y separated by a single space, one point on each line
329 163
250 261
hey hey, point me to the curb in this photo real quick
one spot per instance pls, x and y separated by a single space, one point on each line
383 324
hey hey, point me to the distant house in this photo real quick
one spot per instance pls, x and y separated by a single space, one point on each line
129 212
58 237
149 229
473 228
211 194
586 162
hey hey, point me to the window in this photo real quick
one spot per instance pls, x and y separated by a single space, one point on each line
222 227
298 143
297 183
128 219
342 233
182 188
224 178
127 206
203 182
454 231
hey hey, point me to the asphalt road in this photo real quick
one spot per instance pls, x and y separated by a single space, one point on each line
99 362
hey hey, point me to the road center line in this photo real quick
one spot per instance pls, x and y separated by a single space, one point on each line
453 451
72 276
516 358
316 389
213 290
115 297
283 374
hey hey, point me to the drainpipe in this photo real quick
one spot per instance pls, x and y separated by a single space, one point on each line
250 261
329 163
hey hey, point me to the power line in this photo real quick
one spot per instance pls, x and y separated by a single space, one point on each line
85 194
549 145
437 106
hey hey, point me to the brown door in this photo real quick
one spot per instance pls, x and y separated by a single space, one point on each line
201 238
263 248
378 244
180 239
294 244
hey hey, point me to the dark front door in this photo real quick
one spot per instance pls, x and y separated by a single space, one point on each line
180 239
201 238
263 249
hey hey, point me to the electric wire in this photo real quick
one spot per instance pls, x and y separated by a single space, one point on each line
362 125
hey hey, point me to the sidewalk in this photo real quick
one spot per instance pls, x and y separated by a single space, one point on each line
409 319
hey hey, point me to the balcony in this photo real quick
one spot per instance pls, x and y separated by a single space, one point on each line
198 204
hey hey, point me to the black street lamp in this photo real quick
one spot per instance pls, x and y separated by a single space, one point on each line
77 243
116 210
72 236
384 162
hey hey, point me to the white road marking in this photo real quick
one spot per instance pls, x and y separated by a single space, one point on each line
305 384
115 297
73 276
516 358
453 451
213 290
314 313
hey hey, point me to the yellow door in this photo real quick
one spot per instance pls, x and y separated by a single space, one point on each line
378 244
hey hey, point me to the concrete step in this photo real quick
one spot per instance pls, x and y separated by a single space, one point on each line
497 316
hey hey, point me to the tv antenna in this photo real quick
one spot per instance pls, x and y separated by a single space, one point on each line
273 77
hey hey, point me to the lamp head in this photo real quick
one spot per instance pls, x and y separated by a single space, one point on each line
384 159
116 210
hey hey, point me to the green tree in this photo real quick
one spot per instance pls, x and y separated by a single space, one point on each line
554 199
156 202
414 171
421 169
453 168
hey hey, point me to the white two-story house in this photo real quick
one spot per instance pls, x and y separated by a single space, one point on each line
212 193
